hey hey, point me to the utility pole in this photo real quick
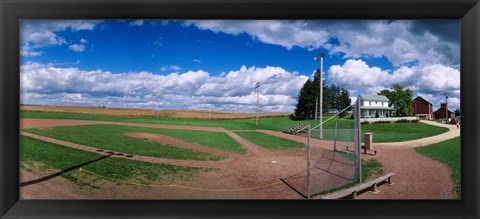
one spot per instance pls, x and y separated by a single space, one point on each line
316 105
446 108
320 56
257 85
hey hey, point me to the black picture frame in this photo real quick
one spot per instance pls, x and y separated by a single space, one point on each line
13 10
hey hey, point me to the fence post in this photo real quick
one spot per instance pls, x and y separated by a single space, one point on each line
358 140
308 163
335 138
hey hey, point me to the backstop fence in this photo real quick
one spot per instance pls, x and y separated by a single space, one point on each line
333 158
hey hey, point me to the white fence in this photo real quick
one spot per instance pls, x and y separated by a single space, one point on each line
389 119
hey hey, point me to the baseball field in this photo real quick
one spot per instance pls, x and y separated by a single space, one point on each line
97 153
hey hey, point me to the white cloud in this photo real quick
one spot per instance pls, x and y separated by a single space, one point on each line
170 68
234 91
36 34
27 51
83 41
283 33
136 23
356 75
197 60
400 42
77 47
431 82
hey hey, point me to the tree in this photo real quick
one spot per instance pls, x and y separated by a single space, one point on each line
458 112
400 99
344 102
307 98
334 97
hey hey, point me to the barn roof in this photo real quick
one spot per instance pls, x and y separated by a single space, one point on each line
421 99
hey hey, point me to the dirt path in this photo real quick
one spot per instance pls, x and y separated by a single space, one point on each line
417 176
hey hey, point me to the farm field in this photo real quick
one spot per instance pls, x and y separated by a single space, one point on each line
129 112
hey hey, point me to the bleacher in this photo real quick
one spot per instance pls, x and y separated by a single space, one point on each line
296 129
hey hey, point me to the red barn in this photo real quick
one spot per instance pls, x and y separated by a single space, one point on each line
440 113
422 108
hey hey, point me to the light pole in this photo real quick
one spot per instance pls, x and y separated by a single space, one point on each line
446 108
257 85
320 56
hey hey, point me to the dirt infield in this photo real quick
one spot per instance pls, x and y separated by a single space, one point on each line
418 177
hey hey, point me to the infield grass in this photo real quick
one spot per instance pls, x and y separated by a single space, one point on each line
270 142
112 137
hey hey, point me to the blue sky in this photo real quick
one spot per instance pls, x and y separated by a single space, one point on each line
213 64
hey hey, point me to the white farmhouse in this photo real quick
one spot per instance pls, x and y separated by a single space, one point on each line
371 104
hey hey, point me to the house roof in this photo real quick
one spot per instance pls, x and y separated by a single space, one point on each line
421 99
377 107
374 97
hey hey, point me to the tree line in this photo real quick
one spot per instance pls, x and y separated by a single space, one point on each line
334 98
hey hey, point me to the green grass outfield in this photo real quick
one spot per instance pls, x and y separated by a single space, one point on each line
111 137
383 132
398 132
270 142
48 157
274 123
447 152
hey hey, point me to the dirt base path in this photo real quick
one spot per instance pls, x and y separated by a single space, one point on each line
417 176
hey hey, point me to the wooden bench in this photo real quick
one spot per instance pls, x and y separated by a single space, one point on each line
360 187
364 150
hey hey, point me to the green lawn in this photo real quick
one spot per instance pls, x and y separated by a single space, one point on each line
269 142
447 152
384 132
275 123
111 137
53 158
397 132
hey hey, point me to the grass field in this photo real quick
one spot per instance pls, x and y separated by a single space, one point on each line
398 132
111 137
447 152
54 158
269 142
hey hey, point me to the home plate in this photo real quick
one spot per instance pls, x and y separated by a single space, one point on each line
274 161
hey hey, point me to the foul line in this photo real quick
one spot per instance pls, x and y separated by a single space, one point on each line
179 186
